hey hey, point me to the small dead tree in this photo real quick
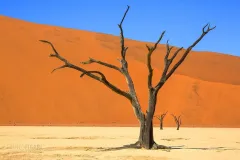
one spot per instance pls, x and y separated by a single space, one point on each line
160 118
178 121
146 139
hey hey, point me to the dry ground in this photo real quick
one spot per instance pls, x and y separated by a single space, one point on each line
102 143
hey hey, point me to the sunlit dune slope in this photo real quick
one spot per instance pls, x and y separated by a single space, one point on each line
205 89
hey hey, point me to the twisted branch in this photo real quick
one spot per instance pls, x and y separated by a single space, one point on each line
91 60
101 79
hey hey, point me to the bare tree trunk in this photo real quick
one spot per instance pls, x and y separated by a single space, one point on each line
142 127
146 139
161 125
178 127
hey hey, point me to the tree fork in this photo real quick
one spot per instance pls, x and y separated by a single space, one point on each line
177 120
161 118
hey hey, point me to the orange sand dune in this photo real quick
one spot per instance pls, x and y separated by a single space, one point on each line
205 89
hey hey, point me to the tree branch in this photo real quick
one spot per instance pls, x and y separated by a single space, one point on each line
158 117
101 79
124 69
180 121
123 48
149 62
167 64
185 54
152 99
161 117
100 73
91 60
166 75
168 51
177 119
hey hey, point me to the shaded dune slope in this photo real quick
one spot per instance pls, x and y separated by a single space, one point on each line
205 89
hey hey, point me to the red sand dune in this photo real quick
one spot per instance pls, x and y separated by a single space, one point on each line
205 89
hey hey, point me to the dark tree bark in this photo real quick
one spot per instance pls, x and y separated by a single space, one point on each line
161 118
177 120
146 139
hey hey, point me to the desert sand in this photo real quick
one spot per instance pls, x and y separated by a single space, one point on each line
101 143
205 89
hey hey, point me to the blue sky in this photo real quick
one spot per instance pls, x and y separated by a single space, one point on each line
182 20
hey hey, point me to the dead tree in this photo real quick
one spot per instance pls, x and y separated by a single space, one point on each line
160 118
178 121
146 139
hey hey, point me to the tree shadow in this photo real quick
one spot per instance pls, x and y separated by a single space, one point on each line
204 148
160 147
129 146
